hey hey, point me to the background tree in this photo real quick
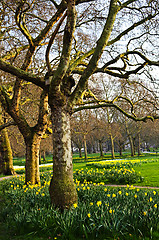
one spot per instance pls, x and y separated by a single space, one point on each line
99 132
82 127
6 157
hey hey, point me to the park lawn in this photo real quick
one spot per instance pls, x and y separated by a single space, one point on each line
150 172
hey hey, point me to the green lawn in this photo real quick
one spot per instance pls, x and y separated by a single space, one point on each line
150 172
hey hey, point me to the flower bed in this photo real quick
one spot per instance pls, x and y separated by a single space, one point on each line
113 175
121 213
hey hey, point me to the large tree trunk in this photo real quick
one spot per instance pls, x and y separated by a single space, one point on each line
6 158
32 175
62 188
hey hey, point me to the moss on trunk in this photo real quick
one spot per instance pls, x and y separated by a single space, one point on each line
62 188
6 158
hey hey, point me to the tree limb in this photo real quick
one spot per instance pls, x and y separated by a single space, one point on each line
6 67
152 118
101 44
67 44
51 42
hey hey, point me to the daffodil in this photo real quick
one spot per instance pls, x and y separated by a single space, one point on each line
99 203
89 215
75 205
145 213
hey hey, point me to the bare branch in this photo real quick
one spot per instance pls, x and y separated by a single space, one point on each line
119 109
51 41
122 71
51 22
6 67
130 29
55 4
20 20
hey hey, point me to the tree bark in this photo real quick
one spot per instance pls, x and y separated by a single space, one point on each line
62 188
32 175
139 144
6 158
85 147
39 157
112 146
80 152
120 149
131 146
101 148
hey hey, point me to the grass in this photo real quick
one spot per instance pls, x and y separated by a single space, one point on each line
148 170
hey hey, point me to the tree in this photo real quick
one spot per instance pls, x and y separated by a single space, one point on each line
150 135
82 126
99 132
6 158
73 67
11 101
